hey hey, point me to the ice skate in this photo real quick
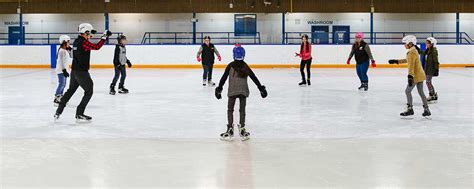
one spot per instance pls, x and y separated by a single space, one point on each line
210 83
426 113
432 99
83 118
244 135
204 83
122 90
228 135
302 84
112 90
366 86
56 100
361 87
56 117
309 82
408 113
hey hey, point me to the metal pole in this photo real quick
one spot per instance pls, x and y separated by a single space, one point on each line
106 15
372 27
283 20
22 32
458 37
194 27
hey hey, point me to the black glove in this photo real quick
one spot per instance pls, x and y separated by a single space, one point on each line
218 92
119 67
129 64
410 81
65 73
393 61
263 91
108 33
436 73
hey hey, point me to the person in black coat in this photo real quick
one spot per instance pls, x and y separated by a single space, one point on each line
206 55
431 63
120 60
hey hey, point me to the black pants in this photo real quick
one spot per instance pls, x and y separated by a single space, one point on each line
78 79
207 67
122 73
230 109
306 63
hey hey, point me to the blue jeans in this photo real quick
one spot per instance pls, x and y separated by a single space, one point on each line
122 73
207 67
61 84
362 69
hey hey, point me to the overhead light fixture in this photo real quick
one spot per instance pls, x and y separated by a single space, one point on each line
231 4
267 2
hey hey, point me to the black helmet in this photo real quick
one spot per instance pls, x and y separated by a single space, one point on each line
121 37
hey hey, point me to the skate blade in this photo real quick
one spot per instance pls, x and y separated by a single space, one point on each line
244 138
407 117
81 121
228 139
432 102
427 117
303 85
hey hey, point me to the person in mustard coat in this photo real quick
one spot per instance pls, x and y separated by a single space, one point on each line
416 76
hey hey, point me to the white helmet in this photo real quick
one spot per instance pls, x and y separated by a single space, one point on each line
63 38
86 27
409 39
432 40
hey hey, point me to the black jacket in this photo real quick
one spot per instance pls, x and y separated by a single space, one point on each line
81 54
430 61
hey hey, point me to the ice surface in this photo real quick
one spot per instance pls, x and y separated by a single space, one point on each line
173 104
165 133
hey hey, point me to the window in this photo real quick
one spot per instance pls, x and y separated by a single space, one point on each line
245 24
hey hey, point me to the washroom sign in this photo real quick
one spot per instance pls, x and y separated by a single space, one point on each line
14 23
324 22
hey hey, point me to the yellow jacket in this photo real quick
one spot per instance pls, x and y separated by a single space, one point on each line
414 65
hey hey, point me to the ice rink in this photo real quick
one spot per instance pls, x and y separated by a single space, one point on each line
165 132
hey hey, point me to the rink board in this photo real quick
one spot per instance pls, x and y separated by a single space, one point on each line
261 56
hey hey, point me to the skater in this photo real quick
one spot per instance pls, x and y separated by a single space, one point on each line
80 76
120 59
238 71
305 55
207 50
363 55
430 60
416 76
63 58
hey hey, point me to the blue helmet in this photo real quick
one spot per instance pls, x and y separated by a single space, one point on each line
239 52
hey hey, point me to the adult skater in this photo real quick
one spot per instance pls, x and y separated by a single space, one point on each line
416 76
238 71
120 59
430 60
80 76
305 55
62 62
207 50
363 55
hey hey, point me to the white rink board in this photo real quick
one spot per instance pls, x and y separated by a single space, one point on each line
255 54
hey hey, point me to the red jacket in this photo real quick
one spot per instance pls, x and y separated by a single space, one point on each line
305 53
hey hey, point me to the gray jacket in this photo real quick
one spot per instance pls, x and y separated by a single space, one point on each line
238 85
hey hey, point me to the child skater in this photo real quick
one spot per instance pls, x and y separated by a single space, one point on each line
120 59
238 71
305 55
207 50
416 76
430 60
363 55
63 58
